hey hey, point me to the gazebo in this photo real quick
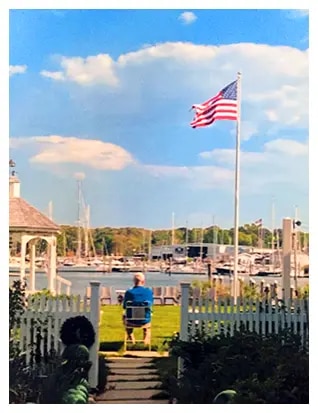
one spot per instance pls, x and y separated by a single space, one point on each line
27 226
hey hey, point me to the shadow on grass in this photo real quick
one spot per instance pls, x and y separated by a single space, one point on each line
119 346
111 345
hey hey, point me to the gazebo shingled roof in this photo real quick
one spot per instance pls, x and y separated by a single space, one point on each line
25 216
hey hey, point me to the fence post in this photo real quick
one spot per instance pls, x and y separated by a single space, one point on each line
184 311
287 251
94 318
262 284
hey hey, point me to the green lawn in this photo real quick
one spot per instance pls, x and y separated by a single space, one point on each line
165 322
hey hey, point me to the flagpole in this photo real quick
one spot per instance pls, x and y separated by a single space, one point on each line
237 187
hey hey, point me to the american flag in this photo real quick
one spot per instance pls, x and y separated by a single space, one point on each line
223 106
258 222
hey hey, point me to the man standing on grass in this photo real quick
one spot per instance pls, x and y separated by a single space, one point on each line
139 295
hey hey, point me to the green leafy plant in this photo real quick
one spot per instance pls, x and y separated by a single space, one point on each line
260 369
69 382
26 380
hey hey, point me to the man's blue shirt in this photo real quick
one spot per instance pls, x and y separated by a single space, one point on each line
138 295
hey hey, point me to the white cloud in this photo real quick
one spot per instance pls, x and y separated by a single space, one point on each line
17 69
297 14
248 130
80 176
287 147
273 148
281 161
187 17
53 75
274 82
52 150
197 176
86 71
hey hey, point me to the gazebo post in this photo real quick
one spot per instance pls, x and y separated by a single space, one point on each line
22 261
32 266
52 265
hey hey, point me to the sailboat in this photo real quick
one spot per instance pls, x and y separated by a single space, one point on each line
85 264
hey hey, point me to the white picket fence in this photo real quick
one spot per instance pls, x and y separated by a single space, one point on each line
46 315
214 315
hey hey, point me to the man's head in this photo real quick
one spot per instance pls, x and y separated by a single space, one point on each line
139 279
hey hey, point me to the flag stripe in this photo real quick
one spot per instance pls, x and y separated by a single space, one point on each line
207 122
222 106
230 111
215 115
204 105
219 103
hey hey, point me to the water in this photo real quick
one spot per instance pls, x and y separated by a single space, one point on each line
123 281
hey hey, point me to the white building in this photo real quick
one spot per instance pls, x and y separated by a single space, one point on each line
194 250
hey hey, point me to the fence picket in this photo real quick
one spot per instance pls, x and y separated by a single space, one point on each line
201 322
289 312
231 316
302 320
270 317
206 311
296 315
250 315
212 316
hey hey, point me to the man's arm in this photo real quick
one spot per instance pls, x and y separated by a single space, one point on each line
126 298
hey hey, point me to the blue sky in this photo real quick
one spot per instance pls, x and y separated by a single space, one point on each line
107 94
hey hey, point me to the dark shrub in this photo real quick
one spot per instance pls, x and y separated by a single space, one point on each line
77 330
272 369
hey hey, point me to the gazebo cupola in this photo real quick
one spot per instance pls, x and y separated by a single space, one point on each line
27 225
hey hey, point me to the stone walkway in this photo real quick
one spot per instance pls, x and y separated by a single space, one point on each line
132 380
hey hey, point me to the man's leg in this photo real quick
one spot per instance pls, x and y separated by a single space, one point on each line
147 335
130 334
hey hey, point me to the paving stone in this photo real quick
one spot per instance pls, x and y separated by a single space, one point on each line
136 372
132 380
130 365
131 377
134 401
130 359
128 394
132 385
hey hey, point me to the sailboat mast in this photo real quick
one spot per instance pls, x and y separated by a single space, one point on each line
79 243
172 231
186 240
201 243
50 214
273 224
87 224
295 247
149 245
64 244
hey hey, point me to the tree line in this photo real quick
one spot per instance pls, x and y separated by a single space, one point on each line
129 240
